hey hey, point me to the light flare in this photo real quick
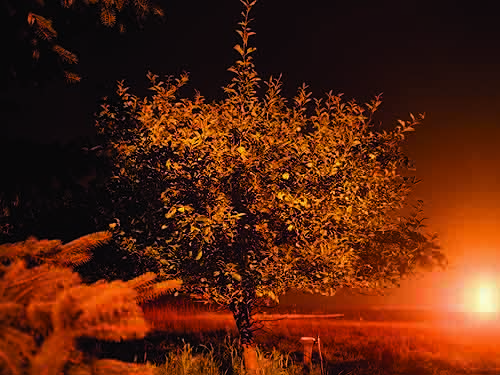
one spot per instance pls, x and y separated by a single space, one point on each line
487 300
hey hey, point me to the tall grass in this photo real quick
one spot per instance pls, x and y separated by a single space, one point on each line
223 360
199 342
348 347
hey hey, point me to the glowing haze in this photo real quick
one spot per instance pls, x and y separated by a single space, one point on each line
424 56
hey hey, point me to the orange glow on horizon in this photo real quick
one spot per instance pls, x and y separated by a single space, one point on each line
482 296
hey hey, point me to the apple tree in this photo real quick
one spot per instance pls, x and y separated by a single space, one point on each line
246 198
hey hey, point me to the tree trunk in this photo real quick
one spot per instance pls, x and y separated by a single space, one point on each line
242 313
250 359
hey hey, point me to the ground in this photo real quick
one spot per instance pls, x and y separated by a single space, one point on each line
421 344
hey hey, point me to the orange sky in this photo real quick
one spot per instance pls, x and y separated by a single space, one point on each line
458 166
425 56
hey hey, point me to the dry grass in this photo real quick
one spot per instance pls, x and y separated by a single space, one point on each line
355 347
398 348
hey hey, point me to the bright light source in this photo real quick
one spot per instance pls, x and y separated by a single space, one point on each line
481 295
486 299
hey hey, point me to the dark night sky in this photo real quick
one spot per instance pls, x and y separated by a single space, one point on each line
440 59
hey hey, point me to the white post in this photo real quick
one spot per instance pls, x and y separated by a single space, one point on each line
308 343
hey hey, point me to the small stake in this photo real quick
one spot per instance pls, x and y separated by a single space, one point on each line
320 356
308 343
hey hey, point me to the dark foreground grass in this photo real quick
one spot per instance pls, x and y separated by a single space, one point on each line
205 343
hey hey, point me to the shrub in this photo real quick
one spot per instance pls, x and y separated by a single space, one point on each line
45 308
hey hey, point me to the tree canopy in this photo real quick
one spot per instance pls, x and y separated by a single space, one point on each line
33 42
246 198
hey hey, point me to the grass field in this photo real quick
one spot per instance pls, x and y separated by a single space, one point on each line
444 346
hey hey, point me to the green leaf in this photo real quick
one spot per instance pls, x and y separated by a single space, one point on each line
198 257
238 48
171 212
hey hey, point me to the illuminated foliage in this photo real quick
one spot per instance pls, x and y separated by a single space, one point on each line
249 197
45 309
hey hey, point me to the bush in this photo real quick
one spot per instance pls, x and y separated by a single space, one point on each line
45 309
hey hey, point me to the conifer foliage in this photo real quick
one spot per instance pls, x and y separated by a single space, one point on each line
249 197
34 24
53 252
44 309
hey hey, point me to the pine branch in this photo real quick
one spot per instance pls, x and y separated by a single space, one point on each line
119 4
108 17
65 55
79 251
71 77
106 311
41 283
31 247
87 242
53 252
142 7
43 26
53 354
15 346
80 368
39 316
20 342
50 301
67 3
133 328
157 290
157 11
75 259
10 363
15 272
114 367
10 312
147 290
142 282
